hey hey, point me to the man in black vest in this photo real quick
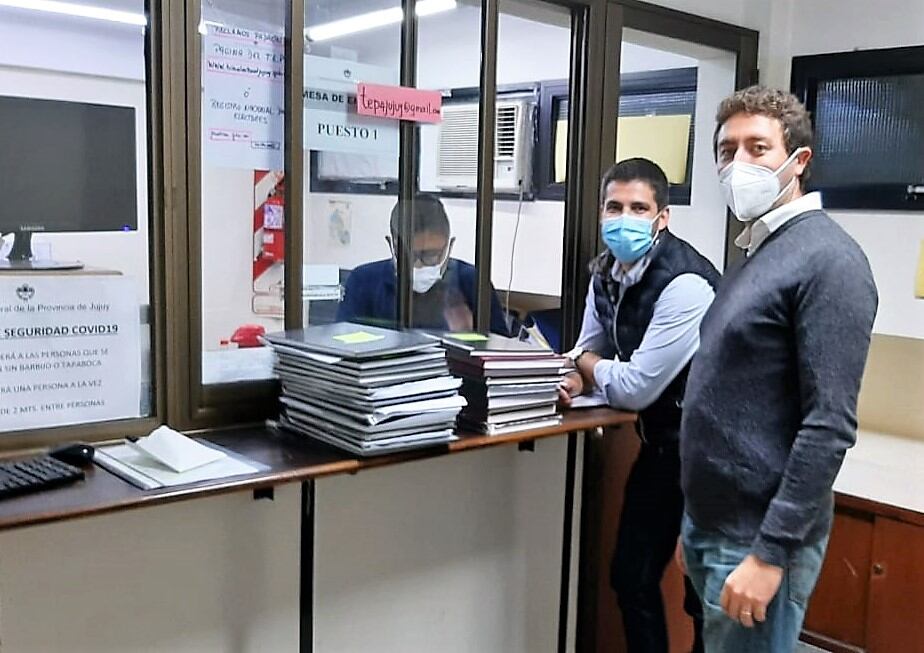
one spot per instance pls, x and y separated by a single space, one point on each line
648 294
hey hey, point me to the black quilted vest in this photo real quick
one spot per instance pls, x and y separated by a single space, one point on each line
671 257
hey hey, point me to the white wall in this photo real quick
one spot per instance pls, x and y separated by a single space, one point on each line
453 554
746 13
217 574
891 240
50 42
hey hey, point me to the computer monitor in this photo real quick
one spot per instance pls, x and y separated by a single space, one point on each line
64 167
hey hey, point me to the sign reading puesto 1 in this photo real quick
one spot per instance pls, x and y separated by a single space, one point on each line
332 122
69 350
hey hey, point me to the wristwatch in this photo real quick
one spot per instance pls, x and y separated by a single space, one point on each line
575 354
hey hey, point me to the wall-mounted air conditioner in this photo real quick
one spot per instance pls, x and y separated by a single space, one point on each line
457 160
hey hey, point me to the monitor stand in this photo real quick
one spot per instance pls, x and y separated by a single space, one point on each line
20 257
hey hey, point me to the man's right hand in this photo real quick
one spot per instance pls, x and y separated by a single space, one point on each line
571 386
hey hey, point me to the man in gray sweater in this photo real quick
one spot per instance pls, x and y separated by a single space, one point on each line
770 406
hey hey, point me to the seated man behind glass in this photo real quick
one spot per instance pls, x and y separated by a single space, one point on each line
444 287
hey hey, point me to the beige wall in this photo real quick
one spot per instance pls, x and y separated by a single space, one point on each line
892 398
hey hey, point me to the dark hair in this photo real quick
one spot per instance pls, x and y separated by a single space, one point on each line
428 215
773 103
638 169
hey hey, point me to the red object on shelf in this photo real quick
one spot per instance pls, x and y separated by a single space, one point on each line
246 335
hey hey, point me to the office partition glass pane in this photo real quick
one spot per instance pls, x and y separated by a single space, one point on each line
75 289
445 279
242 237
351 162
669 92
526 261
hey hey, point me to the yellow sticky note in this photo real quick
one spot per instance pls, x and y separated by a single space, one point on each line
358 338
662 139
468 337
919 279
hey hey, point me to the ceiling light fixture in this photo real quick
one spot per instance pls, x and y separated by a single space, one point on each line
374 19
83 11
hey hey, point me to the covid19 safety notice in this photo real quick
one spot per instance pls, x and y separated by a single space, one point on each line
69 350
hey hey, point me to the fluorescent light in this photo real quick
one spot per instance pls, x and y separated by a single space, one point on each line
355 24
430 7
83 11
374 19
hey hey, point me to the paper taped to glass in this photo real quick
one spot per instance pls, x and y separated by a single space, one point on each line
662 139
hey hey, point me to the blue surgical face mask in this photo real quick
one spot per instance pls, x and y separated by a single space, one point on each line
629 238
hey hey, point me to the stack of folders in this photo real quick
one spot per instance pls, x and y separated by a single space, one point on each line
509 385
364 389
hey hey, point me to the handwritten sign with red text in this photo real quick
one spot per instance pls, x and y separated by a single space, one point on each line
398 103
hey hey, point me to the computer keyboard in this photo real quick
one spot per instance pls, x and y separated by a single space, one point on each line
35 474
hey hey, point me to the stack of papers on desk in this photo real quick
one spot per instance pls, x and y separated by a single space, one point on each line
365 389
166 458
509 385
591 400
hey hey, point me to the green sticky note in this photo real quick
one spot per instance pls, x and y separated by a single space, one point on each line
468 337
358 338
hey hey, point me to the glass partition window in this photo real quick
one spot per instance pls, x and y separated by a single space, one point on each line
669 93
445 291
526 260
242 193
75 347
351 162
352 213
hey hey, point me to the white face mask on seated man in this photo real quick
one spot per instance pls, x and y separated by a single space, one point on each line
430 252
426 277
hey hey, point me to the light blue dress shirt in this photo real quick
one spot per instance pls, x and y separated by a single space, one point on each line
668 345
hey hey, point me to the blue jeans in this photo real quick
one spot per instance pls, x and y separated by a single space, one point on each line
710 557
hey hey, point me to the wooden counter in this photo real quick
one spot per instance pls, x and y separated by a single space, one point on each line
290 458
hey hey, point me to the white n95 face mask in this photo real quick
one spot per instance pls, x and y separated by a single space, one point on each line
751 190
426 277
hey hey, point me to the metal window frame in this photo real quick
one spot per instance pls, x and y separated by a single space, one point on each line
194 405
641 83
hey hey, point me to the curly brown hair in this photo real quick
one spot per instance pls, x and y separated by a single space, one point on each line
773 103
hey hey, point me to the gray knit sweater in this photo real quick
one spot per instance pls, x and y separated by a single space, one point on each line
770 405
